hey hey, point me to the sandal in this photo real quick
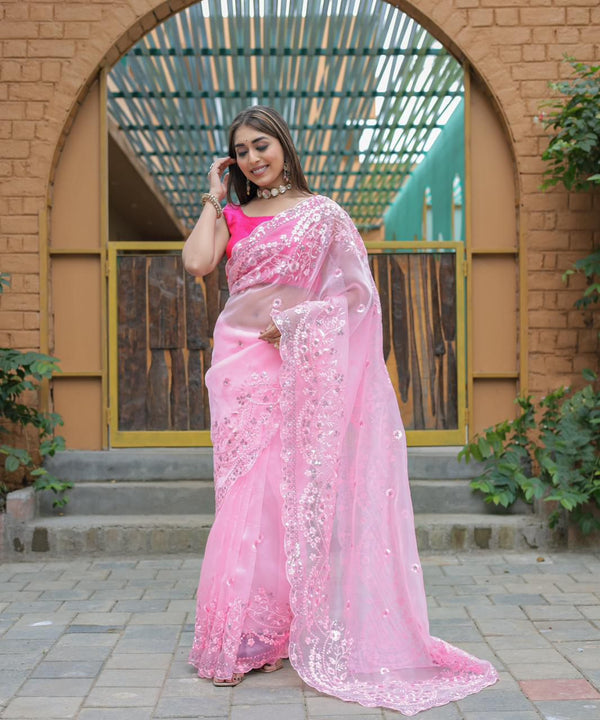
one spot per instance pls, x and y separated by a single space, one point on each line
271 667
234 680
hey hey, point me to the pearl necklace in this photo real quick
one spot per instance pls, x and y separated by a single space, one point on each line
273 192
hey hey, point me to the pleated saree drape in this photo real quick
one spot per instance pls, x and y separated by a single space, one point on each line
313 554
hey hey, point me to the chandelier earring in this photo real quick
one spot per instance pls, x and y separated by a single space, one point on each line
247 187
286 173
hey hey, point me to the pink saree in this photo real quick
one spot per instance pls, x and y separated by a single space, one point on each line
313 554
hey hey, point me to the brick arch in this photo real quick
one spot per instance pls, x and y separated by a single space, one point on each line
123 26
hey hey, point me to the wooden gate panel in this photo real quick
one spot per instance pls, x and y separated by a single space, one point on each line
418 297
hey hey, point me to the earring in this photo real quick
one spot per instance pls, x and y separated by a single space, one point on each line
247 187
286 173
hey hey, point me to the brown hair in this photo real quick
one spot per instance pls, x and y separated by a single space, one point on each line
269 121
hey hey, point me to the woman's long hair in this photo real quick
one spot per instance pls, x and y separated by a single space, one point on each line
269 121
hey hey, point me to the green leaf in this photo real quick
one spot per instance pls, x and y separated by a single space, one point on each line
12 463
589 375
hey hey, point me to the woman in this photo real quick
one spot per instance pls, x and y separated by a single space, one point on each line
312 554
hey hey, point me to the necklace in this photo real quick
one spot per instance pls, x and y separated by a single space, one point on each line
273 192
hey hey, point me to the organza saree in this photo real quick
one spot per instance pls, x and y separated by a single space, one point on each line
313 554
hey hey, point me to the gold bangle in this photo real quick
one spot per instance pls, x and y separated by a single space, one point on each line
209 197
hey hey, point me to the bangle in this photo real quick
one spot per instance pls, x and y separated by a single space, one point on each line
209 197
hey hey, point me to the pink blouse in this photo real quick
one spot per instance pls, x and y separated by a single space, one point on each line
240 225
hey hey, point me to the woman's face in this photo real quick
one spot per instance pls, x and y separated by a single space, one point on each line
259 156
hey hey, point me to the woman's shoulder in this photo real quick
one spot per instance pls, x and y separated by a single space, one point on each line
232 209
333 208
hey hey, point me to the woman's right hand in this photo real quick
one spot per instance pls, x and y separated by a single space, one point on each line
218 185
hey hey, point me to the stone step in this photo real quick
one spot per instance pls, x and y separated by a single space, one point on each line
183 497
173 464
91 535
178 497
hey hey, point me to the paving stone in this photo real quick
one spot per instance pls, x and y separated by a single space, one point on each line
67 669
568 630
520 656
458 631
250 694
72 594
584 655
446 712
34 606
497 612
124 640
94 653
200 707
57 687
101 618
169 617
116 714
552 612
122 697
10 682
569 709
527 569
592 612
32 708
141 606
479 589
324 706
559 689
448 613
137 639
504 715
20 595
531 641
466 600
543 670
100 639
498 699
135 661
571 598
520 598
47 633
489 626
142 677
92 606
267 712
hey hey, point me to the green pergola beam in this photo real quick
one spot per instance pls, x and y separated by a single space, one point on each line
283 52
361 85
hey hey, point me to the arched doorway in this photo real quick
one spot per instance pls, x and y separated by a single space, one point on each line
487 363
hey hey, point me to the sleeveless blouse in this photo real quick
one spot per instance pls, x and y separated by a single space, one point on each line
240 225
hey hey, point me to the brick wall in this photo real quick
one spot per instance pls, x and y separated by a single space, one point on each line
51 50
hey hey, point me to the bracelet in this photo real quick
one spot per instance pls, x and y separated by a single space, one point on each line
209 197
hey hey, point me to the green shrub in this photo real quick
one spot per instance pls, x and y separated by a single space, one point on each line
19 373
550 452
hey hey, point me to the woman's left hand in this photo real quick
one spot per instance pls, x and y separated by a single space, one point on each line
271 335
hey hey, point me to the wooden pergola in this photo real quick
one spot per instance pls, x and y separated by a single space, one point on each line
364 88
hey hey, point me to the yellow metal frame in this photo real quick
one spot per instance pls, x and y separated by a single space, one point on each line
423 438
138 438
194 438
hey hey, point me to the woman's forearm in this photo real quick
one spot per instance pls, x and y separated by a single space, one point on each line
206 243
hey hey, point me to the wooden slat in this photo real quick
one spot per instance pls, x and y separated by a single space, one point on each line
448 294
165 295
197 334
197 420
400 336
178 398
157 392
131 304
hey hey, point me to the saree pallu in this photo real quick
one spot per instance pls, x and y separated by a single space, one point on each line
313 552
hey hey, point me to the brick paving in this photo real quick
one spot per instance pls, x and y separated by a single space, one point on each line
106 639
